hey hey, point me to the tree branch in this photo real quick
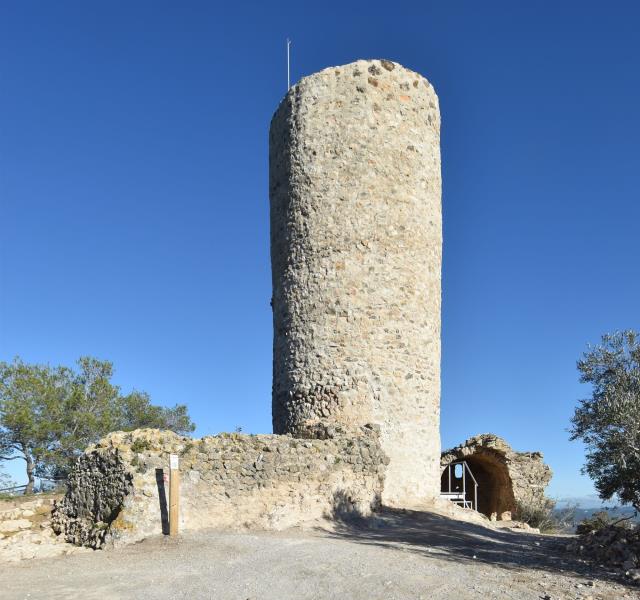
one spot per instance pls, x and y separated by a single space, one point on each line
12 457
635 514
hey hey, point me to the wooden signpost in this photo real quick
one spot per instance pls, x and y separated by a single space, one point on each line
174 494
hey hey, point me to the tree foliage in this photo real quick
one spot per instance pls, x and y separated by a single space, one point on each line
609 422
49 415
5 480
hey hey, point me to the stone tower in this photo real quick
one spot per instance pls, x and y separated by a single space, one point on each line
356 251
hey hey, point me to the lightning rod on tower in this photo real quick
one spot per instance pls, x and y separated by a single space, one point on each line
288 64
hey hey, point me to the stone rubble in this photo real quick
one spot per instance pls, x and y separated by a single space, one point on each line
26 533
613 545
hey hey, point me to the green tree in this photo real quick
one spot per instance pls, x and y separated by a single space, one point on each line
49 415
609 422
30 399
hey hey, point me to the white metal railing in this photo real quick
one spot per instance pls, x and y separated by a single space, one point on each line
44 484
13 490
460 496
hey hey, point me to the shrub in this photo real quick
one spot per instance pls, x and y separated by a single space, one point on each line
538 514
595 522
140 445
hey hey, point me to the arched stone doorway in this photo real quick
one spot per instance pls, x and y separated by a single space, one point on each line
504 477
495 489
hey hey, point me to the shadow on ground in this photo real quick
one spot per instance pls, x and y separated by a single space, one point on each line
442 538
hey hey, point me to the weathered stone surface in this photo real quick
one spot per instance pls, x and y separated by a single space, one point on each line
97 487
29 544
10 525
117 490
506 479
355 189
28 533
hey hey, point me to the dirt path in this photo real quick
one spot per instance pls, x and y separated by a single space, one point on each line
398 556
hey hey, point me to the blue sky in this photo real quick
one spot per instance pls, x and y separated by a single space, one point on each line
134 199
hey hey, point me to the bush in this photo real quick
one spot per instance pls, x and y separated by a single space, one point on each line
595 522
537 514
566 517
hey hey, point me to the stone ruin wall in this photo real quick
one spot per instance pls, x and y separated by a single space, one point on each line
507 479
355 192
116 492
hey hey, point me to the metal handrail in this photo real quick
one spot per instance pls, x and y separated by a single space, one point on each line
14 488
465 469
17 488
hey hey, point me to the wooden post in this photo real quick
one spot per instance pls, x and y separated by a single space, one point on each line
174 494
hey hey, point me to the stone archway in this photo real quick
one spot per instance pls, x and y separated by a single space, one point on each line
505 477
495 489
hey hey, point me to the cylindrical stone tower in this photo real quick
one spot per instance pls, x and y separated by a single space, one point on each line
356 247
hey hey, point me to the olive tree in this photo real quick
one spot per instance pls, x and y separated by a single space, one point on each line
609 421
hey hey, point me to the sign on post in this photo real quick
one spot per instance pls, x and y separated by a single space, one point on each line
174 493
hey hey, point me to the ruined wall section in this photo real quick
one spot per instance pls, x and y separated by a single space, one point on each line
355 190
96 490
506 478
117 491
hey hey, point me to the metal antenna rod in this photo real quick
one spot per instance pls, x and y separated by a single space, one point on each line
288 65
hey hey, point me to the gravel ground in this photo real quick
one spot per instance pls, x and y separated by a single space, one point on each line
396 556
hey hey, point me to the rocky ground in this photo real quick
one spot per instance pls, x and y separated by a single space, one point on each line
397 555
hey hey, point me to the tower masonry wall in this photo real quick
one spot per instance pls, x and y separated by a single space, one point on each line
356 238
